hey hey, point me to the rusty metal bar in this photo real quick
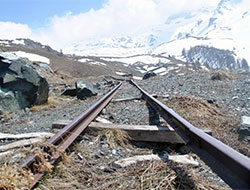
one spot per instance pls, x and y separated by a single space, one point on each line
64 138
233 167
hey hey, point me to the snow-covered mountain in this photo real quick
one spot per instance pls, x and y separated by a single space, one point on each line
224 28
216 38
116 46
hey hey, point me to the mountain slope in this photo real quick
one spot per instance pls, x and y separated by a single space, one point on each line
224 28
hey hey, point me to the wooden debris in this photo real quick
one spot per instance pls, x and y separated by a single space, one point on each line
181 159
4 136
20 143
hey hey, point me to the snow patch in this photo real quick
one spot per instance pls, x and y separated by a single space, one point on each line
97 63
20 42
137 78
4 42
160 70
146 59
9 56
32 57
120 73
84 60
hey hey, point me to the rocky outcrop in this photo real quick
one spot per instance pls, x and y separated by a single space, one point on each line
20 85
221 75
148 75
214 58
85 89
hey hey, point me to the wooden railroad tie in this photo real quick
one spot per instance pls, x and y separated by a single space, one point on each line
147 133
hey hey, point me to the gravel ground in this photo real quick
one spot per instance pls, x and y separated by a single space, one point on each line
231 96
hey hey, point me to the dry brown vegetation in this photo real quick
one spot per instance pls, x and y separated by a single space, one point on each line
114 137
154 175
13 177
204 115
52 103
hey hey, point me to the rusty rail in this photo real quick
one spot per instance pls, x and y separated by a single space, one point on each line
230 165
64 138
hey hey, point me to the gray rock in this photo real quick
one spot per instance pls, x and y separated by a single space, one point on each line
85 89
46 67
1 110
20 85
69 92
98 86
149 75
244 129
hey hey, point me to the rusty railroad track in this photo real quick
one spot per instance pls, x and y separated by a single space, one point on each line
230 165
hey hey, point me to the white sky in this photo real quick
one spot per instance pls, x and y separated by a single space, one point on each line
116 17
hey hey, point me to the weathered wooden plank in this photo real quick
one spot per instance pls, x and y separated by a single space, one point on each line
20 143
147 133
4 136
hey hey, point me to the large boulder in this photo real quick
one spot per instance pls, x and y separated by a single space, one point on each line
85 89
244 129
20 85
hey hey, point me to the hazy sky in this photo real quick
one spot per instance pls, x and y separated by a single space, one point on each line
60 23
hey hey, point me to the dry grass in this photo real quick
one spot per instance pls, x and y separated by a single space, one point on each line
7 115
52 103
14 178
145 175
200 113
114 137
153 175
87 172
204 115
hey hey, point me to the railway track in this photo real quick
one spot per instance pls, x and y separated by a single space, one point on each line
231 166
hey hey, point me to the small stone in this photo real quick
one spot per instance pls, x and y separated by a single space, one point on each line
114 151
109 170
244 129
235 97
101 153
80 156
210 101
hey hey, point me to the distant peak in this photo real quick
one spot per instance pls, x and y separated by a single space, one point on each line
226 4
